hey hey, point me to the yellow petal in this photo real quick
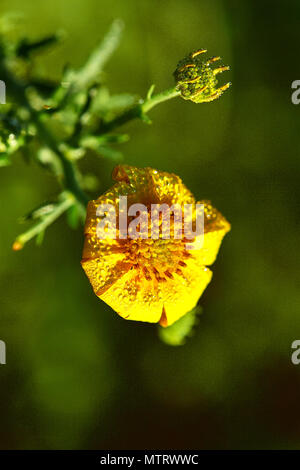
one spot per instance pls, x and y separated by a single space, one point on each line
135 298
135 183
110 197
170 189
103 263
215 228
182 294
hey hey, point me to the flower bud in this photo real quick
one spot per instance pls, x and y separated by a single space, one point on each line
197 80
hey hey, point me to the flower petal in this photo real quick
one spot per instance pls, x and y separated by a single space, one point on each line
135 183
102 263
215 228
170 189
183 292
135 298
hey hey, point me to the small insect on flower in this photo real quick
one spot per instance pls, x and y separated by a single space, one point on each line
197 80
143 273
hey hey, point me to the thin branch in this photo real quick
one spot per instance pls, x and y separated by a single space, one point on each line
71 181
140 110
61 207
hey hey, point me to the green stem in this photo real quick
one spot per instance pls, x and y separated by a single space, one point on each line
140 110
149 103
47 220
71 182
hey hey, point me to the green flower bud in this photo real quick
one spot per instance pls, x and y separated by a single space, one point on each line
197 80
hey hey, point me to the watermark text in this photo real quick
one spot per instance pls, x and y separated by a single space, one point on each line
2 352
155 221
2 92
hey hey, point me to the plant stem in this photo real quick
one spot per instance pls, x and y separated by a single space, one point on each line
149 103
139 110
59 209
71 182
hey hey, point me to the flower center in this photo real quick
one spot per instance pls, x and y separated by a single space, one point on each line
157 259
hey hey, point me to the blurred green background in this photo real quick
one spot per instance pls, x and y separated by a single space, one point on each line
77 375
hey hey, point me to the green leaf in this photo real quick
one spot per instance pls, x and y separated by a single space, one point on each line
38 212
48 159
176 334
113 138
25 48
94 143
150 92
108 105
65 201
97 144
40 238
111 154
89 73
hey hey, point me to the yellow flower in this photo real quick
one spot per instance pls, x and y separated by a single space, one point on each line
146 279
